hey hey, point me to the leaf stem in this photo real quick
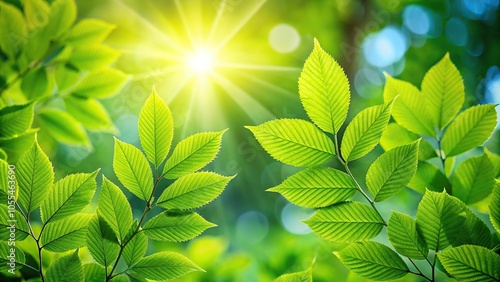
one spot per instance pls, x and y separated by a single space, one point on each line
420 273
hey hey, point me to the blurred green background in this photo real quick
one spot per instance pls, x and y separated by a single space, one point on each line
257 49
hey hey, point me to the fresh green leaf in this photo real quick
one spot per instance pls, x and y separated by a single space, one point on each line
346 222
132 169
443 90
68 196
66 234
93 57
428 177
409 109
438 215
163 266
495 206
36 13
394 136
294 141
20 226
115 209
102 242
135 250
3 155
302 276
156 129
470 129
176 227
403 234
15 119
68 268
63 127
89 112
15 146
35 176
65 77
474 179
317 187
390 172
61 17
89 31
14 34
471 263
495 161
100 84
193 190
324 90
192 154
364 131
94 272
35 84
373 260
6 255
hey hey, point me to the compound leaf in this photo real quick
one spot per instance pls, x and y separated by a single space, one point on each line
324 90
163 266
471 263
317 187
176 227
364 131
294 141
373 260
346 222
132 169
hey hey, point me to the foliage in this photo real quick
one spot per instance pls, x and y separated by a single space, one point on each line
428 125
115 240
47 58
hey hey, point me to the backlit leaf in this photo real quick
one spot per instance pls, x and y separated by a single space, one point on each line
429 177
403 234
63 127
89 31
100 84
66 234
89 112
164 265
35 84
20 226
68 268
473 180
495 206
176 227
102 242
471 263
302 276
93 57
15 146
14 34
15 119
5 251
61 17
136 248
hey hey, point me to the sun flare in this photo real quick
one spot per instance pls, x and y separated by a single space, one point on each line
200 62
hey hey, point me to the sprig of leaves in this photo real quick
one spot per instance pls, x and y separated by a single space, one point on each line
444 228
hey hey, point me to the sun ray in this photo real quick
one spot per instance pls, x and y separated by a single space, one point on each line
152 28
267 84
184 21
257 67
181 83
250 106
237 27
215 24
155 73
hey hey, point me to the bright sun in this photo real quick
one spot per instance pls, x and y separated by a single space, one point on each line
200 62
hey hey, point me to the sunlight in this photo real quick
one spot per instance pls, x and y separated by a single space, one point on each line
200 62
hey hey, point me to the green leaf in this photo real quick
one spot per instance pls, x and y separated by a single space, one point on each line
176 227
66 234
132 169
473 180
324 90
3 155
410 109
192 154
193 190
88 32
89 112
443 90
65 77
156 129
390 172
495 161
100 84
346 222
302 276
135 250
293 141
6 255
21 228
93 57
63 127
438 215
15 119
373 260
68 268
317 187
163 266
14 34
115 209
35 84
68 196
394 136
94 272
495 206
36 12
102 242
470 129
364 131
15 146
61 17
428 177
35 176
403 234
471 263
